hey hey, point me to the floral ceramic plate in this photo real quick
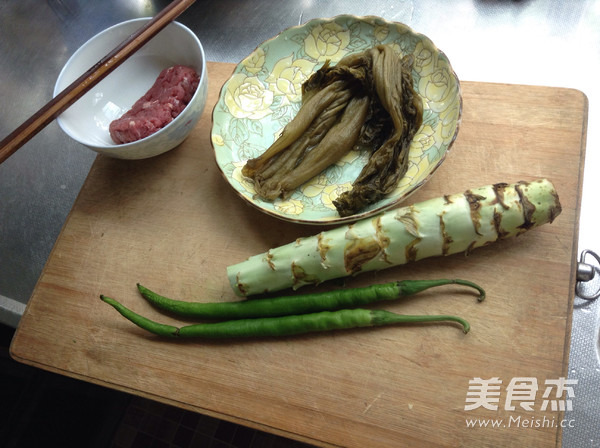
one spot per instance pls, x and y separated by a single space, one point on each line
264 94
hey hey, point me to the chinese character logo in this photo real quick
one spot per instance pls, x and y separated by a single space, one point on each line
521 392
562 386
483 393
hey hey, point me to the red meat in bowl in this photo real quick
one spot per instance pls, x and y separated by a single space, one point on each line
170 94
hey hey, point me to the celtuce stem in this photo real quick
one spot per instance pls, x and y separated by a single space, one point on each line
441 226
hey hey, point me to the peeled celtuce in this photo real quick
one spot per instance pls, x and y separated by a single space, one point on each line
441 226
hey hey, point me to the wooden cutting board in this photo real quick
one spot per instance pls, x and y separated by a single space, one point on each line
173 224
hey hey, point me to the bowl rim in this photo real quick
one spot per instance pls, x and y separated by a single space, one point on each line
339 220
82 48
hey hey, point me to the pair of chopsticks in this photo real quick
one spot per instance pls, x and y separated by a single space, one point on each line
90 78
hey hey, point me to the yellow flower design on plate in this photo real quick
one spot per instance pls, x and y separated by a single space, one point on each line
424 60
349 157
237 175
328 192
436 88
381 32
424 140
247 97
448 120
423 166
332 192
255 61
287 77
290 207
397 48
327 41
217 139
314 187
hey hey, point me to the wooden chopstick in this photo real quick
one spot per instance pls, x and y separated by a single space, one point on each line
90 78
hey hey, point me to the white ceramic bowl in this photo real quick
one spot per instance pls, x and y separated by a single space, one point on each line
87 120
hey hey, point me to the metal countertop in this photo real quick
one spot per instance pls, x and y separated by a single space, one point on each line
533 42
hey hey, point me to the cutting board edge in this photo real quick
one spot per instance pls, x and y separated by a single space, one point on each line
158 398
574 255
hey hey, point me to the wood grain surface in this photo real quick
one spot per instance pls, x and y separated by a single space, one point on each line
173 224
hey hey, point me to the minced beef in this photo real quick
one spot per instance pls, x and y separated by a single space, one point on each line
171 92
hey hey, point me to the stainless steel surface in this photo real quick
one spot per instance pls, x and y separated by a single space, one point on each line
536 42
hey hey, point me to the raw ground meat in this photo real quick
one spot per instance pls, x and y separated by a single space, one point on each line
171 92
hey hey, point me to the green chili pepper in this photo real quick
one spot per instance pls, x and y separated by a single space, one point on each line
300 304
281 326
